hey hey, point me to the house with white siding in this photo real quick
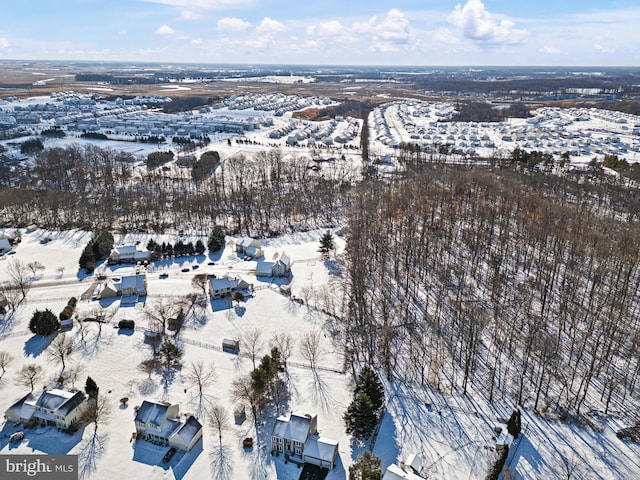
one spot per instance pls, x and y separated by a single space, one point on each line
161 423
58 408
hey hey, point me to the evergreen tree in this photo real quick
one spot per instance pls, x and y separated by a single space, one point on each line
367 467
43 322
216 238
369 384
91 388
326 244
199 248
514 425
361 418
169 353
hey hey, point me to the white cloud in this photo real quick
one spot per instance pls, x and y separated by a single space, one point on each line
268 26
4 43
477 24
228 24
603 48
122 33
387 35
202 4
190 16
332 28
550 50
196 41
165 30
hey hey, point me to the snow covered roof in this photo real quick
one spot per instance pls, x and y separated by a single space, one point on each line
151 413
189 430
218 284
394 472
320 448
133 282
284 258
247 242
52 399
264 269
294 427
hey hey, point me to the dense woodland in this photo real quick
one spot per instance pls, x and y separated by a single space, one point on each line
518 285
90 187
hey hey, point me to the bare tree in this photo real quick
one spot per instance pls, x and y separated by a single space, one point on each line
310 348
284 343
35 267
74 372
19 274
60 349
12 294
29 375
5 360
98 411
149 366
200 282
252 345
218 420
160 312
201 375
242 391
60 271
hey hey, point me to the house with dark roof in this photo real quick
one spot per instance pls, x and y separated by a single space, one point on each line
161 423
56 407
296 434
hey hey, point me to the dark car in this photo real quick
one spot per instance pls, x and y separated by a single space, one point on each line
185 270
169 455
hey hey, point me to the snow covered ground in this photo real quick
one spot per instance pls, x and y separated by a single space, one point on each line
454 434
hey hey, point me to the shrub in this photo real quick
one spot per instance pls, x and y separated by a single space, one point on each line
66 313
130 324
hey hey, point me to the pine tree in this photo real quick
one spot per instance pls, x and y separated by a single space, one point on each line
43 322
91 388
367 467
361 418
369 384
514 425
216 238
169 353
326 244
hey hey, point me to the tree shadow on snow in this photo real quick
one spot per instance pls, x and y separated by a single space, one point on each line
221 462
321 395
36 345
88 454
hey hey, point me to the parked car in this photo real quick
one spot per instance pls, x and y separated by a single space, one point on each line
164 275
195 267
185 270
169 455
211 263
16 437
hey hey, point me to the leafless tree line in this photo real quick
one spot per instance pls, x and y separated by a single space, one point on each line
521 286
91 187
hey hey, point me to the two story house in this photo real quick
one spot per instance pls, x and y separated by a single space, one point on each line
56 407
160 423
296 434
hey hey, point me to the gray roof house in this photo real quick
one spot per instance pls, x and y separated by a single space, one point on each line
219 287
160 423
296 434
249 246
279 268
55 407
128 254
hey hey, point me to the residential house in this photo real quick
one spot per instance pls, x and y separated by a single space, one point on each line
249 246
410 469
279 268
128 254
220 287
55 407
134 285
296 434
160 423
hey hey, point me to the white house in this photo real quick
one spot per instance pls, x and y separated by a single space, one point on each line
296 434
219 287
279 268
410 469
249 246
135 285
128 254
160 423
55 407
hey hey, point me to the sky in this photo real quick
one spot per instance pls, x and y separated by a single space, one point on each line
327 32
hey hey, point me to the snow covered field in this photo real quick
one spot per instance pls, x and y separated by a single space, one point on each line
454 434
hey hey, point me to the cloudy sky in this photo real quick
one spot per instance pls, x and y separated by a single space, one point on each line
336 32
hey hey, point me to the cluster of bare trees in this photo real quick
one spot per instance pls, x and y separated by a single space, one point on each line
521 286
91 187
